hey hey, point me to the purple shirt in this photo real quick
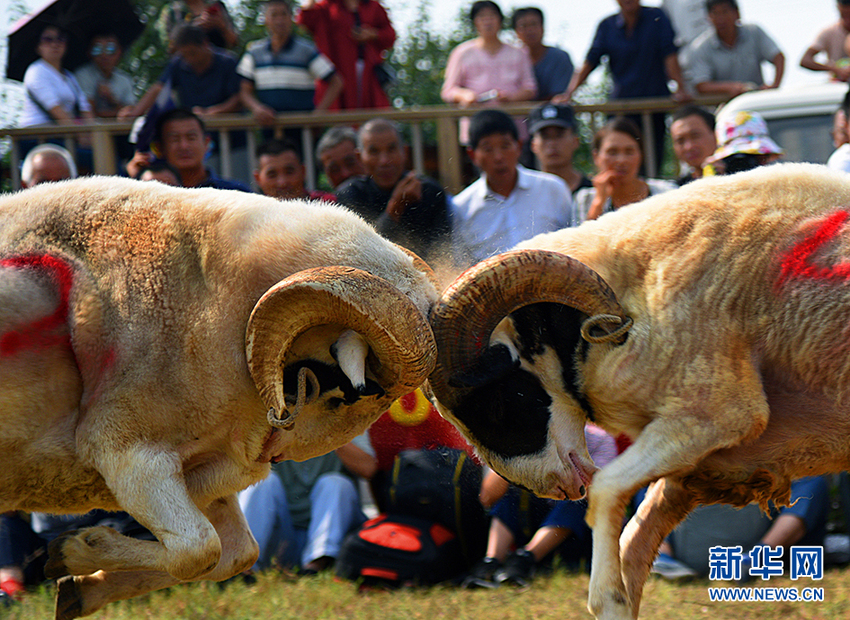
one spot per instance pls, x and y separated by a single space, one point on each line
636 59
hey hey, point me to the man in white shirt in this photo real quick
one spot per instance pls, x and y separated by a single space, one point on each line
508 203
840 158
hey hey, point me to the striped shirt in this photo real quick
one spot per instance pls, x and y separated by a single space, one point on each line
285 80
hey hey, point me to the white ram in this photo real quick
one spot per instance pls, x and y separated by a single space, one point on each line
710 324
160 346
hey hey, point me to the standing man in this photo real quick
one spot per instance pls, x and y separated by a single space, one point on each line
692 132
280 173
840 158
406 208
554 140
107 88
279 72
642 56
831 41
727 59
553 67
337 150
509 203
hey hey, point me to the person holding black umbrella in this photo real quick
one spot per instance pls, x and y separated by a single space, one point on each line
53 94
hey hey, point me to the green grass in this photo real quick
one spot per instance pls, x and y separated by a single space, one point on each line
560 596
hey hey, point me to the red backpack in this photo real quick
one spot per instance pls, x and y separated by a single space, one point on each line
400 550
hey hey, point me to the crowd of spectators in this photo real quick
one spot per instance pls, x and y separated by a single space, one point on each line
303 511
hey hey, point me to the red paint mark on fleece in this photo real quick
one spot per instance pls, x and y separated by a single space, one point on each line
797 262
43 332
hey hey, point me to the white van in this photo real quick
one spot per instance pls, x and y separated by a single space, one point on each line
799 118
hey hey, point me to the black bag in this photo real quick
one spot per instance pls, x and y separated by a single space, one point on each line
440 485
398 550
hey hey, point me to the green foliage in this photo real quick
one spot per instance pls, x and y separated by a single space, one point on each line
420 56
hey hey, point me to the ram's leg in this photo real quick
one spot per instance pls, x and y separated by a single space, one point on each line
665 505
82 595
149 485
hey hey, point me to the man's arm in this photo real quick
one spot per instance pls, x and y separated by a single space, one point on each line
335 85
357 461
144 103
674 72
231 104
263 114
578 79
779 64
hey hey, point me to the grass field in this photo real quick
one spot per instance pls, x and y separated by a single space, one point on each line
559 596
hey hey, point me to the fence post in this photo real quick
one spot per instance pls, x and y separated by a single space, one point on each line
449 154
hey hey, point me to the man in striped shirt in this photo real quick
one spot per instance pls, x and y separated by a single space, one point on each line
279 72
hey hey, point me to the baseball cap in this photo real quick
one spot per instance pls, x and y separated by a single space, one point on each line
551 115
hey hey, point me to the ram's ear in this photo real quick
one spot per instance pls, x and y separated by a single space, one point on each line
363 318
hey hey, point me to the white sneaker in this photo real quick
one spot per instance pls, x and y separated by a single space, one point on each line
671 568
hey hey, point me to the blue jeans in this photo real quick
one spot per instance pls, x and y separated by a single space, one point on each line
335 511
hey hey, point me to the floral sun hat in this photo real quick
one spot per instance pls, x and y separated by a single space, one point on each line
743 132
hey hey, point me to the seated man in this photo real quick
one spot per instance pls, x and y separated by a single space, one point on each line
726 59
46 163
537 527
180 139
554 140
406 208
686 551
509 203
302 511
280 173
692 133
337 150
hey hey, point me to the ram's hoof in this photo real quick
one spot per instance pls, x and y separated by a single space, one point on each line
68 602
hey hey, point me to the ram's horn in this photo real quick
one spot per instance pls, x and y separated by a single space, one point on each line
482 296
400 341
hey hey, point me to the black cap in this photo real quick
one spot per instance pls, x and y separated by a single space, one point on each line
551 115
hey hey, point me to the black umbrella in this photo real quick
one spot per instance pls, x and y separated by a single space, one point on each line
79 19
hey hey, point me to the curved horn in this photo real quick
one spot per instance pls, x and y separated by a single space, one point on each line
482 296
397 332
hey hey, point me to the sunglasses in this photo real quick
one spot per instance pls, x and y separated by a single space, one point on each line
108 49
57 39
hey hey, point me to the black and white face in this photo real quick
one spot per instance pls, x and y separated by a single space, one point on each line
527 418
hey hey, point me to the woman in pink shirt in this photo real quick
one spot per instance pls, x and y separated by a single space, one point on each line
485 70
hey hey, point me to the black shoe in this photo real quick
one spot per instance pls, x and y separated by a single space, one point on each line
518 570
481 575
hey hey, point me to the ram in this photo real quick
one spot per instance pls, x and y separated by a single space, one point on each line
160 346
710 324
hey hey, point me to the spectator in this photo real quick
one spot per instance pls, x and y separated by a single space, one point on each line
406 208
337 150
685 553
692 133
840 158
24 539
203 77
108 88
616 155
160 170
727 58
354 35
689 19
743 143
537 528
211 17
280 173
181 140
554 140
53 94
642 57
47 163
553 67
301 513
508 203
279 72
831 41
486 70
